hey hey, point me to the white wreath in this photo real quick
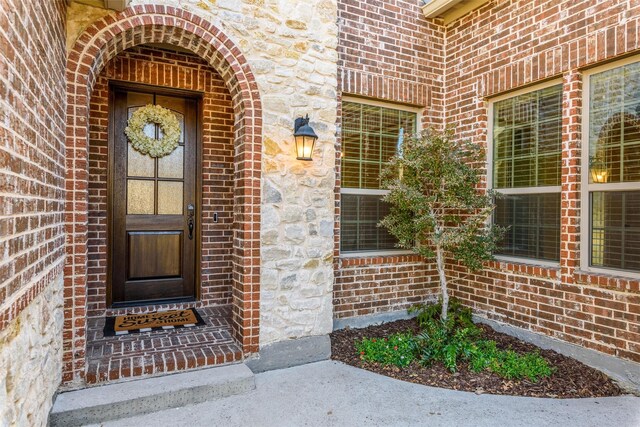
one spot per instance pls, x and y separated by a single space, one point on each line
148 145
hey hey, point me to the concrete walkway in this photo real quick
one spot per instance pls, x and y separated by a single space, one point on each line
333 394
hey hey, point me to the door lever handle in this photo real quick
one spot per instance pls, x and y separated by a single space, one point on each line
190 222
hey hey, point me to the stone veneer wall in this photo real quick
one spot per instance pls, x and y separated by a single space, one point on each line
505 45
161 67
31 360
32 110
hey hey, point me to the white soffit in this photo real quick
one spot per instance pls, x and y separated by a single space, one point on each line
450 10
105 4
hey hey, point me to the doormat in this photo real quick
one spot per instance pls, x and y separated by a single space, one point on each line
156 321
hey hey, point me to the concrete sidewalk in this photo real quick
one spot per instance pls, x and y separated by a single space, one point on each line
333 394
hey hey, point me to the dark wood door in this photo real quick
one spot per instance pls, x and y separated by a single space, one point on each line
153 247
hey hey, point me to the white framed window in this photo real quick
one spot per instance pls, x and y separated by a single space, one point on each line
524 157
610 222
371 134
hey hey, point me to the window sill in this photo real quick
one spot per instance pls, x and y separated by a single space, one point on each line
528 262
379 258
375 254
609 273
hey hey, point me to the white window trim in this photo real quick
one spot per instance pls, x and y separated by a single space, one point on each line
587 187
528 261
513 191
377 192
384 104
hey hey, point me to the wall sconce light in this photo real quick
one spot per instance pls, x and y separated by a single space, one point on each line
305 138
598 169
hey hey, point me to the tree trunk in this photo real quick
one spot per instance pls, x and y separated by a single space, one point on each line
443 283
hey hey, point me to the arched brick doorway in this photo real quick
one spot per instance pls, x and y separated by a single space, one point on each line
96 47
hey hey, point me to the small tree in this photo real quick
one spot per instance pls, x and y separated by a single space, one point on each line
436 205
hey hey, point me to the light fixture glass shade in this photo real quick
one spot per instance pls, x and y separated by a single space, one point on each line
305 139
304 147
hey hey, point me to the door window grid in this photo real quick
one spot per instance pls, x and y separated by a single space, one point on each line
165 175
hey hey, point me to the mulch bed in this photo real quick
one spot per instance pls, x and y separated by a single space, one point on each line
571 378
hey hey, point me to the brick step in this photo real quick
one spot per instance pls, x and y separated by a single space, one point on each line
158 362
120 400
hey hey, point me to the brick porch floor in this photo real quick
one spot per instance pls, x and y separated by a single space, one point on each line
152 353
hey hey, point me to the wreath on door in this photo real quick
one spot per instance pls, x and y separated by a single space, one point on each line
147 145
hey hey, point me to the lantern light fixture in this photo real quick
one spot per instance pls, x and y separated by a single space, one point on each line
598 170
305 138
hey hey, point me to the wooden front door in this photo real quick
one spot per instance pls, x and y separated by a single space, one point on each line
154 206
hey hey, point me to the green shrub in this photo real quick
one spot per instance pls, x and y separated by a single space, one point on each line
458 315
450 345
512 365
445 343
454 341
397 349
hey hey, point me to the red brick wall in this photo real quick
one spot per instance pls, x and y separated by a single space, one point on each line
506 45
184 71
93 49
388 51
32 108
502 46
373 285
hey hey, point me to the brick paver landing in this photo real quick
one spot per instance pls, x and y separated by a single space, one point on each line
152 353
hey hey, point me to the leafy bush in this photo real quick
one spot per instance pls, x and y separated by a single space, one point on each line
458 315
450 345
397 349
451 342
512 365
445 343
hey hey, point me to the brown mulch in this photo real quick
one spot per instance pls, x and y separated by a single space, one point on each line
570 379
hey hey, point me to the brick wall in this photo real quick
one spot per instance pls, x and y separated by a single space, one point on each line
184 71
372 285
502 46
388 51
94 48
32 108
506 45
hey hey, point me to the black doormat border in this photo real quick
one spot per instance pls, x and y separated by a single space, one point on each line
109 325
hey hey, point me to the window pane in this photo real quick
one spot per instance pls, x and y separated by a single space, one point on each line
526 127
350 174
359 229
169 198
615 229
139 164
351 116
171 165
534 225
371 119
370 175
614 125
350 145
549 169
370 137
371 147
140 198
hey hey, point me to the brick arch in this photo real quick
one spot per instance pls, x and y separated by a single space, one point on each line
94 48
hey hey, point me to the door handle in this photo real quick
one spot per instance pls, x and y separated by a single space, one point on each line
190 222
